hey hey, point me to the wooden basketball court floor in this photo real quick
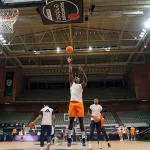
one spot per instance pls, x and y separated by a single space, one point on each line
116 145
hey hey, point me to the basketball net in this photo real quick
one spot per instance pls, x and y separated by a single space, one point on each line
8 18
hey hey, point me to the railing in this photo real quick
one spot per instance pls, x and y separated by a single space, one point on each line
145 131
49 100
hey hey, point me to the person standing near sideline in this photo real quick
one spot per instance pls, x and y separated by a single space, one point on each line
14 133
132 132
120 134
48 119
125 133
21 133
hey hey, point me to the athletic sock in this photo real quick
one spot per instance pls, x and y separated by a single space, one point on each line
69 133
83 134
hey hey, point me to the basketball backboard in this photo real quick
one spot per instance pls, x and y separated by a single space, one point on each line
62 12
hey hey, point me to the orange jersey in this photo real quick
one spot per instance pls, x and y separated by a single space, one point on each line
14 131
102 122
120 133
132 131
125 130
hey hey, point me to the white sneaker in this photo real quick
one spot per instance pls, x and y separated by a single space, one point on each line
42 148
90 146
99 146
48 146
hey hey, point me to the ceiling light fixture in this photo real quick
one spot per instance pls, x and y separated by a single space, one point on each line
4 41
134 13
144 100
1 38
108 48
147 6
90 48
147 24
143 30
58 49
141 35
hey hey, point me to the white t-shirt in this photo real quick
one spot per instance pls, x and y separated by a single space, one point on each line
76 91
47 113
52 132
96 110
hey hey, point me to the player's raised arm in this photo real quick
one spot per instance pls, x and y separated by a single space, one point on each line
70 71
85 80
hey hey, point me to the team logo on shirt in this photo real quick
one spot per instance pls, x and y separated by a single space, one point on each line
47 110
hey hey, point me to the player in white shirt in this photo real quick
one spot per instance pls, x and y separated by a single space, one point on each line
48 119
76 108
95 112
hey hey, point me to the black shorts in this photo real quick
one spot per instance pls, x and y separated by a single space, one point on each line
46 128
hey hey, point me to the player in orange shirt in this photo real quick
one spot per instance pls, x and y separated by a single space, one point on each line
104 131
14 133
125 133
76 107
120 134
21 133
132 132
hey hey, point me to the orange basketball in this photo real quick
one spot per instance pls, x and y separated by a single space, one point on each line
32 125
69 49
96 119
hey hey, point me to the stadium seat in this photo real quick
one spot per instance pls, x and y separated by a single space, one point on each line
134 116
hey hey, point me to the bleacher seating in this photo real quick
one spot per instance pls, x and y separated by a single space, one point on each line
16 118
134 116
64 94
60 119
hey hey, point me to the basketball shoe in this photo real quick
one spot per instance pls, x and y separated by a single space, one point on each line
69 142
83 142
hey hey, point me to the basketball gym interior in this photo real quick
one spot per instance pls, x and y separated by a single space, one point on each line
110 40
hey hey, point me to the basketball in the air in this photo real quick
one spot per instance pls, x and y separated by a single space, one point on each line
32 125
69 49
96 119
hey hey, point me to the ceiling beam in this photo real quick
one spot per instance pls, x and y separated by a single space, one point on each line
74 27
81 53
77 42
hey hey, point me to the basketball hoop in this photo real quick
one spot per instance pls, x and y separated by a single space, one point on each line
8 18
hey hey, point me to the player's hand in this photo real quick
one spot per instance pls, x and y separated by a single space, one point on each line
69 59
80 69
53 125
